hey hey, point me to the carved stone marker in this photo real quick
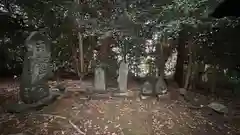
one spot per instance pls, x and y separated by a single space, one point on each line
99 79
36 69
123 77
34 90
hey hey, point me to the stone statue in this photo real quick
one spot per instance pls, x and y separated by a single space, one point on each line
36 69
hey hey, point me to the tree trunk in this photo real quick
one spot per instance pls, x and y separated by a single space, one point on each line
189 68
213 79
105 47
162 59
179 78
80 43
104 52
194 65
75 60
80 47
125 53
89 45
162 53
188 75
194 76
158 58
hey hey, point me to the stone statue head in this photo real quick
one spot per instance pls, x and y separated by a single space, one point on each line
36 42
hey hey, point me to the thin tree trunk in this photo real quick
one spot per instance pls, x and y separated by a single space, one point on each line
189 68
180 60
213 80
161 56
80 43
194 76
162 59
194 67
125 53
76 62
80 56
158 58
104 52
104 48
90 43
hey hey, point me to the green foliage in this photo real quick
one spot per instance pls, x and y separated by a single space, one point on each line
131 22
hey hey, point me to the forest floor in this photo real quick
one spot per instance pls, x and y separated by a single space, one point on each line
106 115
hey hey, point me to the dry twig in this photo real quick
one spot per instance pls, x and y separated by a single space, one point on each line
69 121
172 104
78 130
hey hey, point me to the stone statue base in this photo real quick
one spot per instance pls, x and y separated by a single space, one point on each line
22 107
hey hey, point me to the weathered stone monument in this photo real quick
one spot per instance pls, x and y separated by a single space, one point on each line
34 90
99 79
36 69
123 77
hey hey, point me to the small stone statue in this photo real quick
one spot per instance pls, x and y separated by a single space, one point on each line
146 90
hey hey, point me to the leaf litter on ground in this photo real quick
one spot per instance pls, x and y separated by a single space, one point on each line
164 116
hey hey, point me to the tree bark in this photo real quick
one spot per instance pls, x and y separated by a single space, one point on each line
194 66
179 78
162 59
163 51
80 47
194 76
75 60
104 53
89 44
158 58
213 80
80 43
189 68
105 47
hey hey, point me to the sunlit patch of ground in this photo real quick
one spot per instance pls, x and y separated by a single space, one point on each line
73 115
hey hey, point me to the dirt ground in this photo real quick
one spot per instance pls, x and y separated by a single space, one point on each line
105 115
